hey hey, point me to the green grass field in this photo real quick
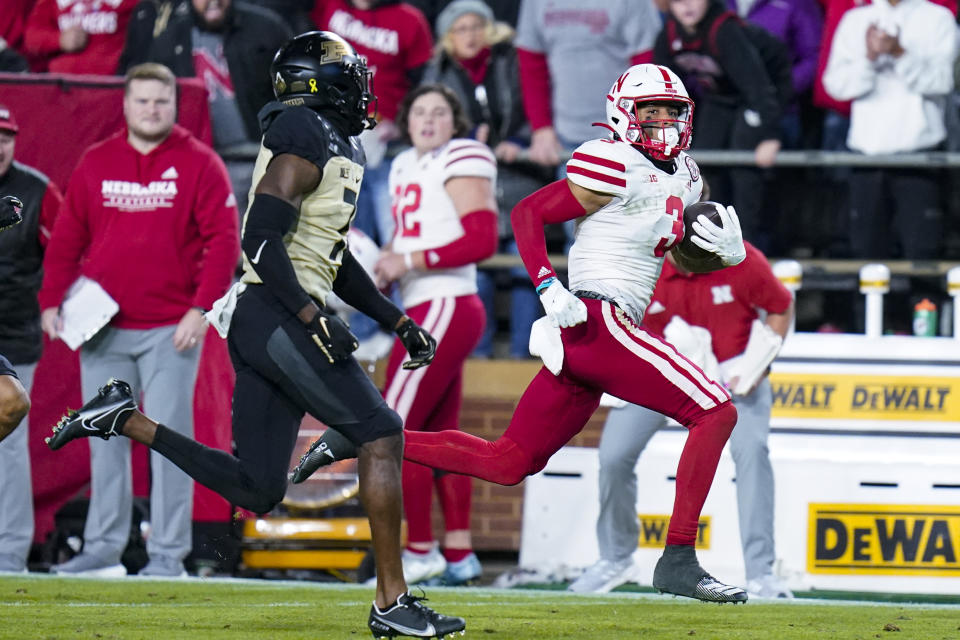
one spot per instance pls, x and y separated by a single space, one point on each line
52 608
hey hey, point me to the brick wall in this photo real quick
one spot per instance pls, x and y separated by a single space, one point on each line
491 391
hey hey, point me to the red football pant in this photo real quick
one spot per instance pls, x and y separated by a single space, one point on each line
606 353
428 399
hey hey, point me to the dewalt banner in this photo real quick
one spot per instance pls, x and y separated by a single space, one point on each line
865 397
888 540
653 531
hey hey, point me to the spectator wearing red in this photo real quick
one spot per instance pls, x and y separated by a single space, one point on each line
78 36
396 41
12 21
150 216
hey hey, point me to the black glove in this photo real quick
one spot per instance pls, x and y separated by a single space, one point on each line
332 336
10 207
419 344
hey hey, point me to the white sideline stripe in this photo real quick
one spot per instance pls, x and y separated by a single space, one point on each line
667 368
537 597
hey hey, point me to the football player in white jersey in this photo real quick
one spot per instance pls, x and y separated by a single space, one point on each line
628 193
445 210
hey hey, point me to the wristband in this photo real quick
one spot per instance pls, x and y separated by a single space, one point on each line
546 283
408 261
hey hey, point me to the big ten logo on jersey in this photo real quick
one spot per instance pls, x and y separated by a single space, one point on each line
653 531
406 209
858 539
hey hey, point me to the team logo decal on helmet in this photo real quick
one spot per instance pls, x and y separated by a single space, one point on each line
662 139
320 69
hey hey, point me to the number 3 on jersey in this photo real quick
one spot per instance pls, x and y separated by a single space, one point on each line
675 211
406 203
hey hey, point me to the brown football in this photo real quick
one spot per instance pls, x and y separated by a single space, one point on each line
695 258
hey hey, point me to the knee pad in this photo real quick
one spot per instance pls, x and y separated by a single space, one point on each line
383 422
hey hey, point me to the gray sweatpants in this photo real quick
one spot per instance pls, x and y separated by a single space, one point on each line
625 435
16 492
148 361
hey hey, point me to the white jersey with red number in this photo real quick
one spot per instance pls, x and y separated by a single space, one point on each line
618 250
426 217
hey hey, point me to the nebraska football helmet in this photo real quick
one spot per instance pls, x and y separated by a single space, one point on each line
650 83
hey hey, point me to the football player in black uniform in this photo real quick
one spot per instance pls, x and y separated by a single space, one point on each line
291 355
14 402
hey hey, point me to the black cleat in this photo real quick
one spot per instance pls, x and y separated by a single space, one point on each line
331 447
679 573
409 617
103 416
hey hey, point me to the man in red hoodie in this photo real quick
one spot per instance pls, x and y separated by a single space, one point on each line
149 215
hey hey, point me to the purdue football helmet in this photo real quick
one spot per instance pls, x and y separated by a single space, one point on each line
319 69
650 83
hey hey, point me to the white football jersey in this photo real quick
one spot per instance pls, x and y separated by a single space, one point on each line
426 218
618 250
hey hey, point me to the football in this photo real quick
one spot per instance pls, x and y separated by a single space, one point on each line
694 258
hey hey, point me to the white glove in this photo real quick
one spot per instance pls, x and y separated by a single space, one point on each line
726 241
545 342
222 312
563 308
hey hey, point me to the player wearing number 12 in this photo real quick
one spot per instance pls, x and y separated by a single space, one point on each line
628 193
445 207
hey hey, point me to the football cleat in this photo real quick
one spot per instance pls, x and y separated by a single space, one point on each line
103 416
331 447
411 618
679 573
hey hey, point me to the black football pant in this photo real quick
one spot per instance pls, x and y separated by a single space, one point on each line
281 375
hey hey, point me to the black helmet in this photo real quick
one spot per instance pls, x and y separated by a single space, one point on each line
319 69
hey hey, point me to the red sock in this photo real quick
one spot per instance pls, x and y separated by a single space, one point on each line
698 465
502 461
454 491
456 555
417 495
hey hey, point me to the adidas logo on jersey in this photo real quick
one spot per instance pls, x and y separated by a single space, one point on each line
543 272
170 174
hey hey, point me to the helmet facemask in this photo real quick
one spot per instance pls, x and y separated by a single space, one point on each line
661 138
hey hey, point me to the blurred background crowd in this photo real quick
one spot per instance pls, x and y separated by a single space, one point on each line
768 77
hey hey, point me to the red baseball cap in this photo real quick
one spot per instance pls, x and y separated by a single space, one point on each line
7 122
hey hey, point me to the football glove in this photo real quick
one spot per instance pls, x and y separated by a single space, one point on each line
726 241
332 336
563 308
10 207
419 344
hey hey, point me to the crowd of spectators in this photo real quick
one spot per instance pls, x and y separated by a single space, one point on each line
765 75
